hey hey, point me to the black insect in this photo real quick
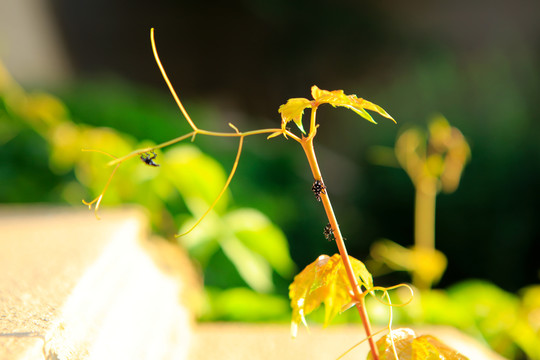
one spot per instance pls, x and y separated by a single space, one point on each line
149 159
318 188
328 232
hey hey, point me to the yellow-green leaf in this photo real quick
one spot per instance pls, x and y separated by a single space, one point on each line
324 281
352 102
368 105
293 110
334 97
407 346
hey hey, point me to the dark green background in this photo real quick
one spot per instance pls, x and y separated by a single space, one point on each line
477 64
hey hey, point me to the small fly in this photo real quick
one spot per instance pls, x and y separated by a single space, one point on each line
148 159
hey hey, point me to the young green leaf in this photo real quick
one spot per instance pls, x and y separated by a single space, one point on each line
324 281
352 102
293 110
404 344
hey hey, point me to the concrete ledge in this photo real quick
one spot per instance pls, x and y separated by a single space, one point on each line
228 341
72 287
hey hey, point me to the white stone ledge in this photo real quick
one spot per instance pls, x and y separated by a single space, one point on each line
72 287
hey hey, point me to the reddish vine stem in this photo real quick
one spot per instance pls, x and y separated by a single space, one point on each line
307 145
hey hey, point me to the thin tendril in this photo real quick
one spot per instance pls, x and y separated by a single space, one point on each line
385 290
359 343
390 320
99 151
169 85
193 134
386 294
98 199
222 190
148 149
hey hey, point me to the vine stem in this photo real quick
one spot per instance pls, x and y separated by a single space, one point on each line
424 222
307 145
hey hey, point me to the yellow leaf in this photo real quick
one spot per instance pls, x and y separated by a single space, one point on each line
368 105
407 346
293 110
325 96
324 281
352 102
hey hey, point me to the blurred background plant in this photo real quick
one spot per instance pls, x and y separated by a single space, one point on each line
475 62
434 162
508 323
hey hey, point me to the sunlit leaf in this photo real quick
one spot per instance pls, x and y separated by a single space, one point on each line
407 346
324 281
352 102
368 105
334 97
293 110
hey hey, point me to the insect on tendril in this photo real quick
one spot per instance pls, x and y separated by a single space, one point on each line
149 160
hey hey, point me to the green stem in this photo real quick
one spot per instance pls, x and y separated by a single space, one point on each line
307 145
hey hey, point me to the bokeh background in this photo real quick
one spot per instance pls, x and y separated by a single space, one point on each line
476 63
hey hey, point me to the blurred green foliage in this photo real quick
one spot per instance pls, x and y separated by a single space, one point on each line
508 323
44 162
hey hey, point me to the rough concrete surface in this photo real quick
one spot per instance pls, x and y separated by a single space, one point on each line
73 287
245 341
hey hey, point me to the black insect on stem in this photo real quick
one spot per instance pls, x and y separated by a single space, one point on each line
328 232
149 160
318 188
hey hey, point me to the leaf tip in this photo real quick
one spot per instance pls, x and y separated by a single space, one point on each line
273 135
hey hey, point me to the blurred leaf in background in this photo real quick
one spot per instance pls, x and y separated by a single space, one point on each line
434 161
506 322
44 163
248 239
